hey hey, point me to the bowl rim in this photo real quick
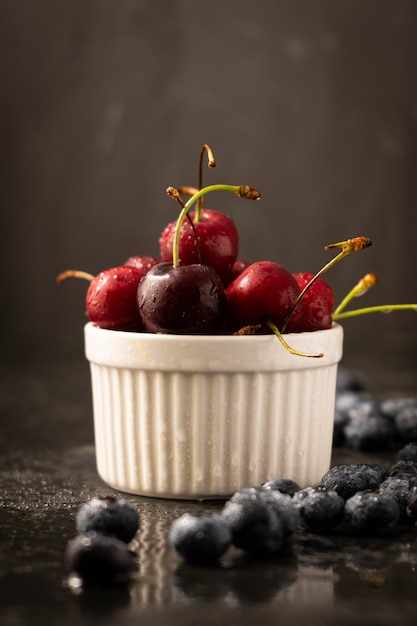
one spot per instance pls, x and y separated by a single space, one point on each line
210 353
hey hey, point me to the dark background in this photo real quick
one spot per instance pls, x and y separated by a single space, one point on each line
104 104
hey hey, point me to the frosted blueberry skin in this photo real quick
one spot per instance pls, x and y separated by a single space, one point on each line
406 423
404 469
394 406
283 485
255 526
200 539
399 489
407 453
320 510
411 508
283 506
346 480
95 557
368 427
109 515
371 513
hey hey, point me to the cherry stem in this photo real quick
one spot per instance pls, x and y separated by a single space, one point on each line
187 191
385 308
273 327
175 195
348 246
211 163
361 287
74 274
244 191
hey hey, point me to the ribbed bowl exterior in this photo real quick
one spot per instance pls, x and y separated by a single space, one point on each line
188 421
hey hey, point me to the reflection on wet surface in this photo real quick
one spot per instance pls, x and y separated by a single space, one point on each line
47 472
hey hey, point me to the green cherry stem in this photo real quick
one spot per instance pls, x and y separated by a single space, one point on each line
175 195
244 191
211 163
385 308
348 246
275 330
361 287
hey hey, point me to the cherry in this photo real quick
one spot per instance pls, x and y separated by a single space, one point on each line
111 297
217 237
264 290
209 236
188 299
237 268
141 262
318 304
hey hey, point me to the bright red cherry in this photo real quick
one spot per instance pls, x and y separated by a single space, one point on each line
111 299
318 303
264 290
141 262
218 241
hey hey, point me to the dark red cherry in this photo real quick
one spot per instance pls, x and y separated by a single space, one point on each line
142 262
111 298
237 268
218 241
188 299
318 303
264 290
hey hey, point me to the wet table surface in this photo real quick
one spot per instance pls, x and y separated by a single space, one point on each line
47 469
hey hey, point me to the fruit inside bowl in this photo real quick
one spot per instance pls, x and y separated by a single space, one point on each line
210 373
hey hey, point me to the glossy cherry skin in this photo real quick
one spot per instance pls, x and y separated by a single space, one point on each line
111 299
188 299
318 306
237 268
217 236
264 290
142 262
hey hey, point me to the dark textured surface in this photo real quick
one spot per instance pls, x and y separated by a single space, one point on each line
47 469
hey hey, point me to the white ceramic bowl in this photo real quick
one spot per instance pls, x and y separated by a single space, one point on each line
198 417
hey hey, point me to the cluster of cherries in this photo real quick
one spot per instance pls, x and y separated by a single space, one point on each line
199 285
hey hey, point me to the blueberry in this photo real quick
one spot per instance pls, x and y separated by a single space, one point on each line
399 489
371 513
320 510
95 557
283 485
407 453
406 423
347 380
411 508
403 469
393 406
346 480
202 539
113 516
347 400
368 428
283 506
255 526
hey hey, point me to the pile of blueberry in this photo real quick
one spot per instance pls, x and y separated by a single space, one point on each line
361 499
100 551
362 422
